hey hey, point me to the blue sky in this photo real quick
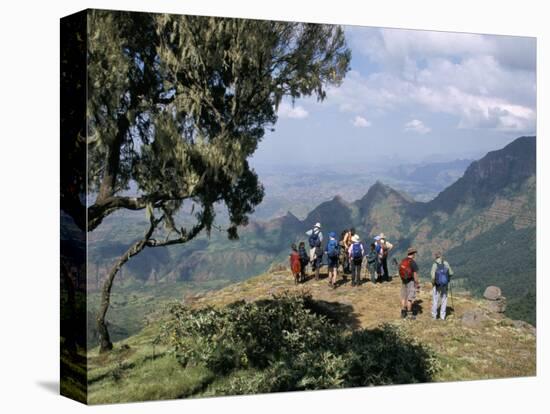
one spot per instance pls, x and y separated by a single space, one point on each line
413 96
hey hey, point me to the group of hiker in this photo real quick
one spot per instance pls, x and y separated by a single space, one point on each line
349 253
346 252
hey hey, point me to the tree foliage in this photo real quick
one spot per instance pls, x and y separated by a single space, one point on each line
177 105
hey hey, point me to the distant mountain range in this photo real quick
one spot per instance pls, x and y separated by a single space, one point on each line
297 190
485 223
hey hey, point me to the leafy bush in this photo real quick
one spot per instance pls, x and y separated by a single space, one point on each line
281 345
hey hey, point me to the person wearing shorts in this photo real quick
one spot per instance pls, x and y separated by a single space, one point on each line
332 271
409 286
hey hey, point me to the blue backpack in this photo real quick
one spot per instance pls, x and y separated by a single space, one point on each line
332 248
314 240
303 254
441 275
356 252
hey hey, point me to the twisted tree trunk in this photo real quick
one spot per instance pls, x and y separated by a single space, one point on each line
105 343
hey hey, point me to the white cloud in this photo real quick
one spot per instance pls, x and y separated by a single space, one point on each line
392 47
417 126
477 111
287 110
480 80
379 92
360 122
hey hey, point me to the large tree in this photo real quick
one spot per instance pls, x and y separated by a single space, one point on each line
176 106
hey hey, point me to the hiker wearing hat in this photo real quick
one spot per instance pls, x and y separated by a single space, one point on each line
441 277
355 254
408 271
348 234
379 253
333 252
343 259
315 241
385 247
372 262
304 260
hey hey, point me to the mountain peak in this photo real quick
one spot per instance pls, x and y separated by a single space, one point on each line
290 216
485 178
380 191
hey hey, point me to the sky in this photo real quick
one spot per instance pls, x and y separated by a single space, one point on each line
412 96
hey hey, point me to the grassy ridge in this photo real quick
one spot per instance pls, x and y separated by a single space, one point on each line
338 338
286 343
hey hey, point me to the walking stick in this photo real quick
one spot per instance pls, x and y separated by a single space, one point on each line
451 291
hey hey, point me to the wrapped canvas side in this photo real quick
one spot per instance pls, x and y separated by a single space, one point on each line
73 43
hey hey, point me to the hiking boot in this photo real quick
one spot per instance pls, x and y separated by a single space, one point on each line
403 313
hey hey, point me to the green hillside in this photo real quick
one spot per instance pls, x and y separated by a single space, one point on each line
493 202
267 335
505 257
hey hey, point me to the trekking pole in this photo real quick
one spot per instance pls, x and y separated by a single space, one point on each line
451 291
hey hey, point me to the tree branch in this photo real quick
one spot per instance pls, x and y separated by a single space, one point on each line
184 238
104 207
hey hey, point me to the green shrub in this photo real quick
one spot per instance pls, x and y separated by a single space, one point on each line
281 344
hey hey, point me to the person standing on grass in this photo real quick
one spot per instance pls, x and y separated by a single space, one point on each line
318 261
304 260
333 252
408 271
386 246
342 260
379 254
315 239
441 277
347 243
295 263
355 253
372 263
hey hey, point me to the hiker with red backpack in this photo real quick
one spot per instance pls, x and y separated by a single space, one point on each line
441 277
333 252
295 266
356 252
408 271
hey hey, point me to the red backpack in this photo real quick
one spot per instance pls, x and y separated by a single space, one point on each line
405 269
295 264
